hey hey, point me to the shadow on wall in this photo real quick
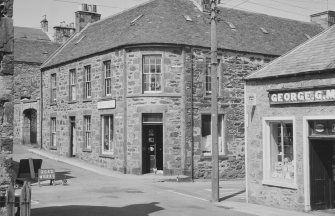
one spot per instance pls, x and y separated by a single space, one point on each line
74 210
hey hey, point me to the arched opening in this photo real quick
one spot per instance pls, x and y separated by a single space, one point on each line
29 127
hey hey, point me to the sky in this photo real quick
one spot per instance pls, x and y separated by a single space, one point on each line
29 13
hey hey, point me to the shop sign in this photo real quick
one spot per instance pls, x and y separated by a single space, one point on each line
301 96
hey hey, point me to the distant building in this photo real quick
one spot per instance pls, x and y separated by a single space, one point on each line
31 48
290 128
132 92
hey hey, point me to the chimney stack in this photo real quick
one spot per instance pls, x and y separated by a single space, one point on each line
63 32
44 24
86 14
325 19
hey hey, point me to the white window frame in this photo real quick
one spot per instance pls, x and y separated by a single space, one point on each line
107 78
88 81
53 88
144 74
88 134
208 77
53 123
111 141
267 179
220 145
73 83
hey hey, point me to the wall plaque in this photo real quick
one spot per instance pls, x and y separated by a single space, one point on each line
109 104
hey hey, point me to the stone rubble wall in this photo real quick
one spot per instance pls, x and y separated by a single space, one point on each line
233 68
6 93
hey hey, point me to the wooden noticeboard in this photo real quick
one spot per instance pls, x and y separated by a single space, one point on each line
46 174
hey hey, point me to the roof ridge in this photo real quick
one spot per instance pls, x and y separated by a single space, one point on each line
121 12
289 52
258 13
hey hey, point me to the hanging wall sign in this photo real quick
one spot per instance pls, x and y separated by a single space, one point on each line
307 95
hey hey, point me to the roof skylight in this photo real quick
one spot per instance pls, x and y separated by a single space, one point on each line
231 25
80 39
264 30
188 18
308 36
137 18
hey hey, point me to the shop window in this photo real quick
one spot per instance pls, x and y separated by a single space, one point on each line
107 134
73 83
53 88
279 155
108 78
206 134
152 73
88 88
87 128
53 132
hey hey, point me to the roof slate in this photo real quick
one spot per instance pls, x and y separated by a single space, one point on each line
163 22
317 54
33 51
32 45
30 33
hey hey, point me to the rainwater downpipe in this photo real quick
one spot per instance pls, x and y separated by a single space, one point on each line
41 111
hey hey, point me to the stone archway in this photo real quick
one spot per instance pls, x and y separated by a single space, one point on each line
29 132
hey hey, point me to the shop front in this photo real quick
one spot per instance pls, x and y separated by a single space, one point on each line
290 144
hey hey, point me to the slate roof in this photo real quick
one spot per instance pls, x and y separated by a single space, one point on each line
30 33
317 54
163 22
33 51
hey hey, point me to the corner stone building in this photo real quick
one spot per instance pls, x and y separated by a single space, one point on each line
6 90
132 92
31 48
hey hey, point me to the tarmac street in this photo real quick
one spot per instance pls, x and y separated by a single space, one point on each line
95 191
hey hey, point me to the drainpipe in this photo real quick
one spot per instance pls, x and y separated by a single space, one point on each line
125 112
192 137
41 111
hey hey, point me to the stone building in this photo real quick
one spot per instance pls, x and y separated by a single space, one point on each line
132 92
6 90
31 48
290 128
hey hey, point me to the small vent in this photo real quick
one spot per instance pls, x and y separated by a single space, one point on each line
264 30
80 39
308 37
188 18
137 18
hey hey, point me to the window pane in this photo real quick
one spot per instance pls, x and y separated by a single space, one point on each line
146 69
220 134
206 135
106 132
282 161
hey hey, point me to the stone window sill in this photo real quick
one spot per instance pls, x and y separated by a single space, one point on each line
107 156
272 182
87 150
72 102
209 157
53 148
87 100
154 95
105 98
53 104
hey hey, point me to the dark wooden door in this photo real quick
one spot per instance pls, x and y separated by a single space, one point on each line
152 148
322 190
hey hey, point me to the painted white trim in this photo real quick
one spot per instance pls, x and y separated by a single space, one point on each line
267 152
305 133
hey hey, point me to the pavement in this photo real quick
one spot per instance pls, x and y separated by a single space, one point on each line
232 193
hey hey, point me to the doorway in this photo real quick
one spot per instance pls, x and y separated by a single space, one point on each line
73 138
322 173
152 143
29 132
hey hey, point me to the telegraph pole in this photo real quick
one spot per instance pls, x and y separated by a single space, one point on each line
214 118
